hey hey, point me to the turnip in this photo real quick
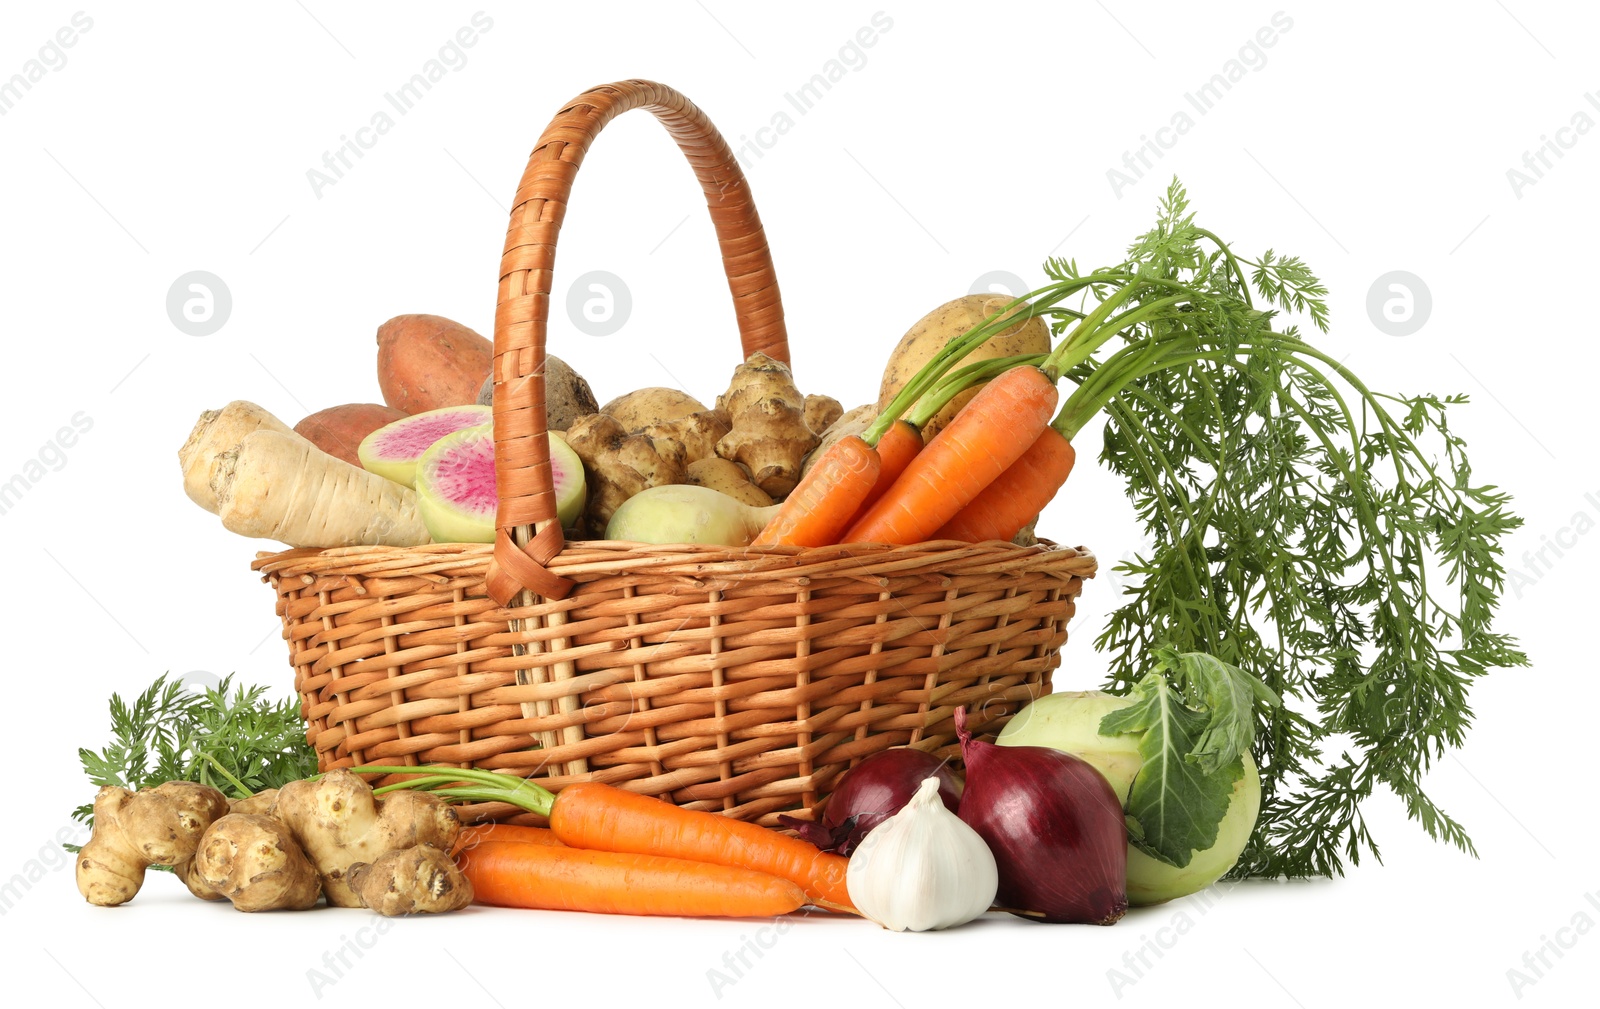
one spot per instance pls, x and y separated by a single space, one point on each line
1070 721
684 513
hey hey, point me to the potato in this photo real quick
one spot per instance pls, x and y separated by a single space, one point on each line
339 429
426 362
950 320
567 395
641 408
730 478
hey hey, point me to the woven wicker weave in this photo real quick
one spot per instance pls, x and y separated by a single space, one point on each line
737 680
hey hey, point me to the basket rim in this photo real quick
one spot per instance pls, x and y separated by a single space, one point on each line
586 560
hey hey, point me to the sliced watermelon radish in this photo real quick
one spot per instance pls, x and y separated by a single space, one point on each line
456 489
393 450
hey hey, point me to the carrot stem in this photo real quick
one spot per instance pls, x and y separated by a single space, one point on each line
960 380
490 786
1019 310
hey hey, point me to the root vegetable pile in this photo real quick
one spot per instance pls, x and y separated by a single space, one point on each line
345 476
281 849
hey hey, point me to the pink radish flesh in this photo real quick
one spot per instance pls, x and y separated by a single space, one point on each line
456 485
409 438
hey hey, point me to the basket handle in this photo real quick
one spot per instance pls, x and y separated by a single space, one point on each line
527 531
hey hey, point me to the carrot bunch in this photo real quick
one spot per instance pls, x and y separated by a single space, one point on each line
612 851
995 466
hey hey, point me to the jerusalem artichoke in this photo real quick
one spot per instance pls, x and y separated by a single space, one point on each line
769 437
251 859
134 830
338 822
421 879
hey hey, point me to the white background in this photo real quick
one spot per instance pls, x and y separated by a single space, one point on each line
1372 139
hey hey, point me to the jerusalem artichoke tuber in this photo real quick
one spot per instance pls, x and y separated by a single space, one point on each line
769 436
134 830
338 822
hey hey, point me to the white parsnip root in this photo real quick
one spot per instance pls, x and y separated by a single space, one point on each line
281 487
216 432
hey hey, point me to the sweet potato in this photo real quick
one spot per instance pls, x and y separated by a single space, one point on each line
426 362
339 429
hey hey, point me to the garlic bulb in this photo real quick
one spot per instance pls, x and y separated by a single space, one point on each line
922 868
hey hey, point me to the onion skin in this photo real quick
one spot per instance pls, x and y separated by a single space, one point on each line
871 792
1055 826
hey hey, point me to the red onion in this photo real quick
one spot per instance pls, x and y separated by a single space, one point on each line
871 792
1055 827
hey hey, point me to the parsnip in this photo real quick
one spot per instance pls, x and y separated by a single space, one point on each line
281 487
219 431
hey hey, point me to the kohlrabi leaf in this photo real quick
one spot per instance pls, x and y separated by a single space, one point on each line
1178 804
1227 695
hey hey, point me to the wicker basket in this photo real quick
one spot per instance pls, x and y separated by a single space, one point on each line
743 681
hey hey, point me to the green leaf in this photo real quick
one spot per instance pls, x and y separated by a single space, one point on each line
235 739
1227 695
1177 804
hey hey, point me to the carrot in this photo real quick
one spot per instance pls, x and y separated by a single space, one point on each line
592 815
989 434
1016 496
602 817
471 837
555 878
821 506
898 446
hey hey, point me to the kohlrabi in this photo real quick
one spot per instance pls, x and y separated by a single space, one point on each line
1181 740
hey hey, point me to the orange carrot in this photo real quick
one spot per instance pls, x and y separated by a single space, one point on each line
1016 496
471 837
989 434
605 818
821 506
591 815
898 446
557 878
